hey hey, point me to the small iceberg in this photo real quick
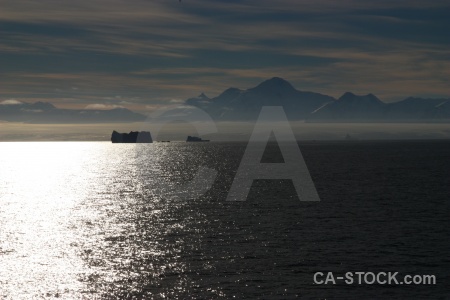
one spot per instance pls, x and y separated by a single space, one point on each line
195 139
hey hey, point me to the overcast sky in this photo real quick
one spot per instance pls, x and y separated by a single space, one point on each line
141 54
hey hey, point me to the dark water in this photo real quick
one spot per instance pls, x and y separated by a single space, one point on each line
384 208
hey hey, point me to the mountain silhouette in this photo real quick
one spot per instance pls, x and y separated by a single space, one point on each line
350 107
419 109
235 104
44 112
368 108
243 105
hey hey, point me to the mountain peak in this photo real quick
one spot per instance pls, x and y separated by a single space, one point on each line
202 96
277 80
42 105
347 95
275 83
350 97
200 100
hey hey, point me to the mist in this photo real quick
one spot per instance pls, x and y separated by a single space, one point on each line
226 131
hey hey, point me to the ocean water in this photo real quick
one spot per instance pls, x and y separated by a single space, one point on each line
85 220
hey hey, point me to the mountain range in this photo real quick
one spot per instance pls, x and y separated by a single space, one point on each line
44 112
237 105
244 105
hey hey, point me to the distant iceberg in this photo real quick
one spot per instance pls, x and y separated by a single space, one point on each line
132 137
195 139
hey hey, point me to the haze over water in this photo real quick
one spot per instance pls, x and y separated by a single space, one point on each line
84 220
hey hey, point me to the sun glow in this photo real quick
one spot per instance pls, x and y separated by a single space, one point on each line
37 217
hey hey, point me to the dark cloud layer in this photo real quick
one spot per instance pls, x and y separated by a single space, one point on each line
147 53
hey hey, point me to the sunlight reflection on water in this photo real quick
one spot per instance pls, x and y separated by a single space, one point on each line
69 217
40 184
84 220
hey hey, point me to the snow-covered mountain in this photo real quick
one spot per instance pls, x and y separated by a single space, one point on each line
235 104
368 108
243 105
350 107
419 109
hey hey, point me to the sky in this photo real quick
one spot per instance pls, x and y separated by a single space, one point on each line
144 54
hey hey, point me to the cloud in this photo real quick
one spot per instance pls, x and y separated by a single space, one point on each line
10 102
176 101
97 106
125 102
162 50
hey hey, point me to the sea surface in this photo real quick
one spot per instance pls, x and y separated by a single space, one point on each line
88 220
